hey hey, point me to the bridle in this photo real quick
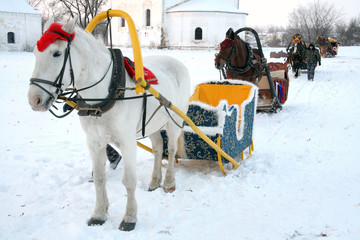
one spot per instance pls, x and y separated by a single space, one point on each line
59 79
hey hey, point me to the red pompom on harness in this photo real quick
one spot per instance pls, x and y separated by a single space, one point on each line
297 39
53 33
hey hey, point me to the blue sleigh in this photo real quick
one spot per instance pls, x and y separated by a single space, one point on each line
225 112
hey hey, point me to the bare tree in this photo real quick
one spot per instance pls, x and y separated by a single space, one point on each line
317 18
352 34
63 10
84 9
34 3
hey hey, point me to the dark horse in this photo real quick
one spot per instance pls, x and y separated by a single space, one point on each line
296 57
238 59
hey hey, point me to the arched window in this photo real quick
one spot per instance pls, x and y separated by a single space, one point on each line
147 14
198 33
11 37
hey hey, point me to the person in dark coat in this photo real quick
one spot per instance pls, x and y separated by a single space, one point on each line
312 58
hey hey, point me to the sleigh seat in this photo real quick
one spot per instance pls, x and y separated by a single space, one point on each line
225 112
280 77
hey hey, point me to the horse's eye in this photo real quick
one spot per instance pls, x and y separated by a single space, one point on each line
57 54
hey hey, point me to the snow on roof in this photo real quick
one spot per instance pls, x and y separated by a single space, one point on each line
18 6
203 6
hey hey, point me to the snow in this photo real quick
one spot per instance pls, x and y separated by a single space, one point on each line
302 181
18 6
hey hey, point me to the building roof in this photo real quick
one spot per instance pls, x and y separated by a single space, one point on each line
17 6
203 6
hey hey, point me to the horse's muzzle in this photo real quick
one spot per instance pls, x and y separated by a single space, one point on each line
38 101
219 65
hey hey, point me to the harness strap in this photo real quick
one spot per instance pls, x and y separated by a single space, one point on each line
144 116
116 88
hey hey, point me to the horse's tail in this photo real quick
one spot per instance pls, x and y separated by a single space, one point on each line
181 146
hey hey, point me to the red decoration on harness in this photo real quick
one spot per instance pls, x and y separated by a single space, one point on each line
226 42
297 39
148 75
51 35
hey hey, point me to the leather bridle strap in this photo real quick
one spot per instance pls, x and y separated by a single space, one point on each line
58 81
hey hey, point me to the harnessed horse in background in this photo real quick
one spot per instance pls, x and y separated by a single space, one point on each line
66 57
238 59
296 56
328 47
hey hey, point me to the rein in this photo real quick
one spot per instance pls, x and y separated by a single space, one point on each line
116 89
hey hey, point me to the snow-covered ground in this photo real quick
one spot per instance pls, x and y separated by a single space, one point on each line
303 181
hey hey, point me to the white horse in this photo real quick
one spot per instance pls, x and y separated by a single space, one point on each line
91 64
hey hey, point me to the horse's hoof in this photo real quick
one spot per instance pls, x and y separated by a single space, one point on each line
124 226
169 190
95 221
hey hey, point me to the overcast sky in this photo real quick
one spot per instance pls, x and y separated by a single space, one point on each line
275 12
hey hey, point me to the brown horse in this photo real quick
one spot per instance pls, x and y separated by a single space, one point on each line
241 62
238 59
296 58
327 48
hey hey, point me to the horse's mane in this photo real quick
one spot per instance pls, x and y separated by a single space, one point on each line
88 41
320 40
238 39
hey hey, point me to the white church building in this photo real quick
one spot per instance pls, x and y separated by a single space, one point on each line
177 23
20 25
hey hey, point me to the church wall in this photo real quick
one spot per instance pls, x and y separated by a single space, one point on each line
177 29
181 26
26 28
149 36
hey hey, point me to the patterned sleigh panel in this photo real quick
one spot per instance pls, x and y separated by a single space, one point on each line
216 117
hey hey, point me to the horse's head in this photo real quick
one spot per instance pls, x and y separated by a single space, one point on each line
226 47
53 71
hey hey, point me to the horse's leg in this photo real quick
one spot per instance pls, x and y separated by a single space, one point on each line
157 147
98 155
173 133
297 67
128 149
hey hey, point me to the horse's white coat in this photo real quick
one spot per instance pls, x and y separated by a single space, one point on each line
122 124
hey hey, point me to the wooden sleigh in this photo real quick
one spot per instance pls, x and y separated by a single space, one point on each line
280 79
225 112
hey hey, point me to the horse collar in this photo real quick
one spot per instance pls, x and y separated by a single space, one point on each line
116 89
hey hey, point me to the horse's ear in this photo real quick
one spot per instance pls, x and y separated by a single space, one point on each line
48 23
230 33
70 25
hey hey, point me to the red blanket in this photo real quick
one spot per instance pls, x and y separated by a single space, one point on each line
148 75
